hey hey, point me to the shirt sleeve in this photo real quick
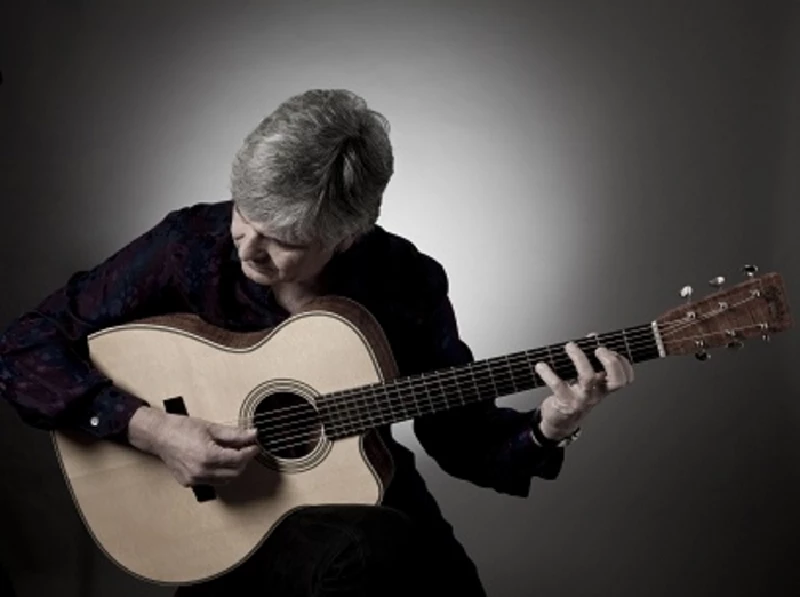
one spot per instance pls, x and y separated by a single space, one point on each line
45 370
482 443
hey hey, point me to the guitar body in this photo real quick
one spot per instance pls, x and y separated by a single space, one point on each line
158 530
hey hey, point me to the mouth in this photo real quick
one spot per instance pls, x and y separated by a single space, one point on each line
261 268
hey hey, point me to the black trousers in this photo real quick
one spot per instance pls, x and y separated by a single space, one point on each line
6 587
349 551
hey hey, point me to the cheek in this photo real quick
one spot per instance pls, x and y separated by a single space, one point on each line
286 262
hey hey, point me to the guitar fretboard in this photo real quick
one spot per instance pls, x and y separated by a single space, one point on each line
353 412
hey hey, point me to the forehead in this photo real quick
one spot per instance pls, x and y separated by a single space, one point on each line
270 229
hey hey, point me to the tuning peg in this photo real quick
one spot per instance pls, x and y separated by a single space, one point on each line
717 282
764 332
735 343
701 353
750 270
686 292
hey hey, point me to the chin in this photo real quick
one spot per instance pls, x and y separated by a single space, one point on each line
260 277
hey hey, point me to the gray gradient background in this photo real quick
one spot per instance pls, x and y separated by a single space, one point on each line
572 164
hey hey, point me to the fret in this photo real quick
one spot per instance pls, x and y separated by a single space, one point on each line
368 405
396 408
387 401
407 399
524 375
501 376
346 417
510 367
551 358
592 342
433 394
434 391
326 408
350 406
374 398
613 341
564 367
587 344
643 344
424 384
534 357
627 346
458 380
471 392
445 390
490 377
482 385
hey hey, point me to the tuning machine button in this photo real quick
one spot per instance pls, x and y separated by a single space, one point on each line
717 282
701 354
750 270
735 343
687 292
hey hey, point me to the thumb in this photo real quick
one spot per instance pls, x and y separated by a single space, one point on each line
233 437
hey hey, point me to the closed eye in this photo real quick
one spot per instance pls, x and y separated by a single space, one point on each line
289 246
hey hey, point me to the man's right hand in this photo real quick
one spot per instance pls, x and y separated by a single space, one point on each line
195 451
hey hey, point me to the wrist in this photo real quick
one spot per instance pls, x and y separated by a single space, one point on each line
550 431
145 428
546 435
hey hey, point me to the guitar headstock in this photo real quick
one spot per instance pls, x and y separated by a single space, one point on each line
755 308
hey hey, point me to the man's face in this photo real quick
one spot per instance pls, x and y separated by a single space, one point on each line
268 260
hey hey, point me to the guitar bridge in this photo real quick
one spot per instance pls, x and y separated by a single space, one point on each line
176 406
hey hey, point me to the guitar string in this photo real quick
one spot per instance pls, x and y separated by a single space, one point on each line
640 338
349 428
359 394
353 427
356 424
290 411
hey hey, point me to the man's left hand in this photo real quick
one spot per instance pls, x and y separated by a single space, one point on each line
563 411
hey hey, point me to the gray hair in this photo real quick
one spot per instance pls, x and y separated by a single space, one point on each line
316 168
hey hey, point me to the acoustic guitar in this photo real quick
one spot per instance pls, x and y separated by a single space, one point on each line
316 387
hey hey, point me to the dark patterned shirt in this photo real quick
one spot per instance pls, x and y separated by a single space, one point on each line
188 263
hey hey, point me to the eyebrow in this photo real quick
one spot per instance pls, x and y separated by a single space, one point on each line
289 243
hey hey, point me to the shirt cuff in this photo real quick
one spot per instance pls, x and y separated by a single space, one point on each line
109 414
529 460
545 462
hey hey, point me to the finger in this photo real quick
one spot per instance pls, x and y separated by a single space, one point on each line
582 364
626 365
559 387
232 458
233 437
615 372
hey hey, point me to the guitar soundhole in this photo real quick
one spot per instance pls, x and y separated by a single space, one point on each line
288 425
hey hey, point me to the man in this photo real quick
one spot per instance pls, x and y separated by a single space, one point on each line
307 187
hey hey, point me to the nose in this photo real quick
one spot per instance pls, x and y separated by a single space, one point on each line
248 248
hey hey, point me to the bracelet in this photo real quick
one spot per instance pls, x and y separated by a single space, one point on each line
542 441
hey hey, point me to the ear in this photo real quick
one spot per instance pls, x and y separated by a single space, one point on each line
345 243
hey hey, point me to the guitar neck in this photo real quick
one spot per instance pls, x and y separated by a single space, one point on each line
353 412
